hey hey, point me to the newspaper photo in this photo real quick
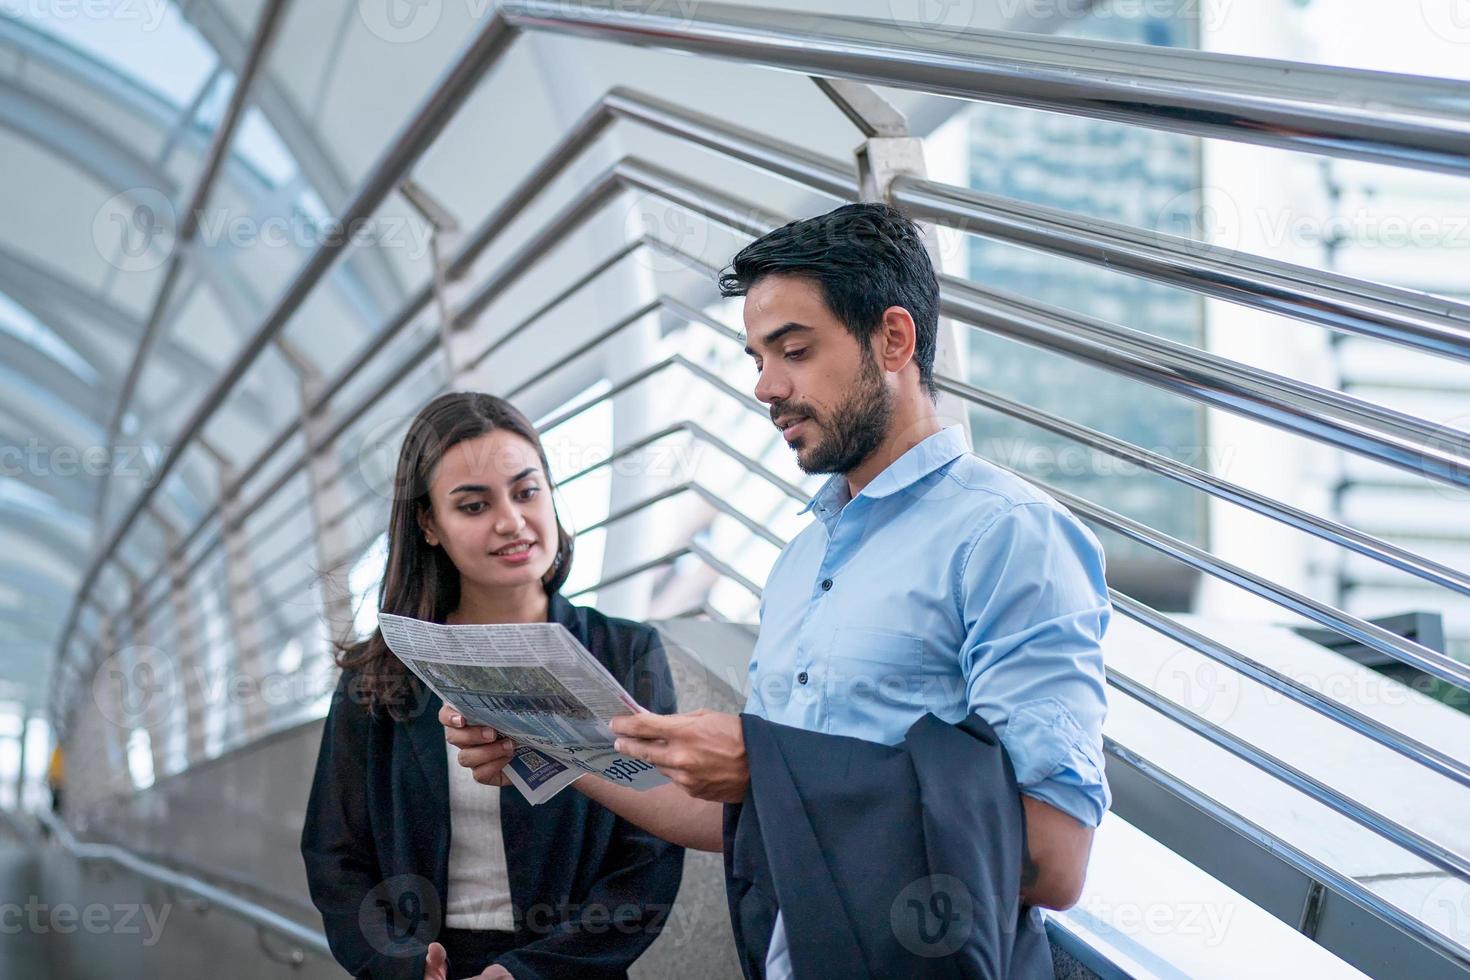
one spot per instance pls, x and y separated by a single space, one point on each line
533 683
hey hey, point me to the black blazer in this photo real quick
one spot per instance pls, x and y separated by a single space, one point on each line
590 890
886 861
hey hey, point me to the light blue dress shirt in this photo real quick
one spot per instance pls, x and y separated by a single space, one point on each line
947 585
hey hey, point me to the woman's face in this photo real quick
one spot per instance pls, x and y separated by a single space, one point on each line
490 498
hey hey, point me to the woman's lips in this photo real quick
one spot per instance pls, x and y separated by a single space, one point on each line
519 558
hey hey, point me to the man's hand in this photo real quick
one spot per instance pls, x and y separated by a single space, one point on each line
481 749
702 751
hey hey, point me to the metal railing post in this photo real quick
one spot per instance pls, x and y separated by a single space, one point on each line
240 680
188 662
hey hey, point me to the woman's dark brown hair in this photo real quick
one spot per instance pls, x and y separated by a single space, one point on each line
419 580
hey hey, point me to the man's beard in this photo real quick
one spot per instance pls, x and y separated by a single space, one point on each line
857 426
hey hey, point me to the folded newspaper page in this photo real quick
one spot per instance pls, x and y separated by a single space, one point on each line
536 684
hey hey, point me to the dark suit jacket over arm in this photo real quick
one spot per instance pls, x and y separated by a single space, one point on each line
886 861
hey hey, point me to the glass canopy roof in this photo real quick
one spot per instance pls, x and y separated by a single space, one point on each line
106 123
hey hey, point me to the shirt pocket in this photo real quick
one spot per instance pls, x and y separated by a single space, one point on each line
877 678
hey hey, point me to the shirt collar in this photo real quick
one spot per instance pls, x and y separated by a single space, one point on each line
929 455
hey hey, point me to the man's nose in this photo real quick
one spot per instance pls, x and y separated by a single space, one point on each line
770 387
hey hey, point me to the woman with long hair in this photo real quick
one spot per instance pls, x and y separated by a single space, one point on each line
419 870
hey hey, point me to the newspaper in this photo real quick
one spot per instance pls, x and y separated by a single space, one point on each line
534 683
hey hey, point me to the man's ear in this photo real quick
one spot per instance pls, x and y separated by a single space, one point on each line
896 338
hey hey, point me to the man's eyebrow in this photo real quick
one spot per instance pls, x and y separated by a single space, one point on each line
778 333
481 488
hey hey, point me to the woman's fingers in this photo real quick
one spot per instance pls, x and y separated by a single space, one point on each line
452 720
491 775
471 736
496 752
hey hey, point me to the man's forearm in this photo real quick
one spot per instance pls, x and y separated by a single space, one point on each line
1055 865
665 811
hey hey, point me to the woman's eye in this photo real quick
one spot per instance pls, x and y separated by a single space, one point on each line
529 492
473 507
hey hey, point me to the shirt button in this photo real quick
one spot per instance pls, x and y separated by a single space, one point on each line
801 678
826 584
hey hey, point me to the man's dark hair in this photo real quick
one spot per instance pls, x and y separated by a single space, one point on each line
865 258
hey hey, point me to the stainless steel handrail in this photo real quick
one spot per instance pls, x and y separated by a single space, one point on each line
1435 324
1411 841
307 939
1349 717
704 435
1315 869
705 494
1330 417
1405 651
1328 530
1365 115
692 548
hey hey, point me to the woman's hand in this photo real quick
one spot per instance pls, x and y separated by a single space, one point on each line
482 750
436 967
436 964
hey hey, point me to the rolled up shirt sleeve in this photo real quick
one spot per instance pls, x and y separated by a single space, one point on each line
1034 603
